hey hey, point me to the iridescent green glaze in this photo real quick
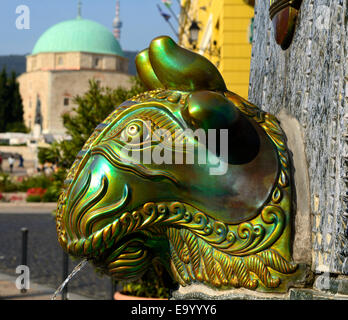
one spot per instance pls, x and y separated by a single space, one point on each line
171 62
224 230
146 72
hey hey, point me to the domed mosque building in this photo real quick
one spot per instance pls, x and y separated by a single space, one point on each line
63 60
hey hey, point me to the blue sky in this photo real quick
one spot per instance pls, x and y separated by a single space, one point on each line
141 21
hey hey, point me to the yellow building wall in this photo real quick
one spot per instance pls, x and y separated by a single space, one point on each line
225 28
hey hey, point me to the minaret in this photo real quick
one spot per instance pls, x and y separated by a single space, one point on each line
79 9
117 24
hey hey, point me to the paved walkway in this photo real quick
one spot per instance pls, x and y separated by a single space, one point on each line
45 255
8 291
27 207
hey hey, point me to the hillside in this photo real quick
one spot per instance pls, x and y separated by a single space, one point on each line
13 62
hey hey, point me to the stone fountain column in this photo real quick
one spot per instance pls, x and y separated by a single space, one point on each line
305 87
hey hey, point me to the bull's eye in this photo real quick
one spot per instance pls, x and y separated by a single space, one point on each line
133 129
135 132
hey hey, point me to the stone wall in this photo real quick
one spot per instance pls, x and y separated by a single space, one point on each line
307 83
32 85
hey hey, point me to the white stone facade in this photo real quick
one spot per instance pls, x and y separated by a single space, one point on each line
56 78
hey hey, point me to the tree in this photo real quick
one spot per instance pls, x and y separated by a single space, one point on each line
4 100
15 113
50 155
11 107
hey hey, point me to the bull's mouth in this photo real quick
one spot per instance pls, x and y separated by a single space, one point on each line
124 248
119 249
126 259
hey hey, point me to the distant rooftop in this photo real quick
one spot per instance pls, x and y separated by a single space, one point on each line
78 35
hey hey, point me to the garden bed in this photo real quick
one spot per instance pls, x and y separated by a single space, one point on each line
39 188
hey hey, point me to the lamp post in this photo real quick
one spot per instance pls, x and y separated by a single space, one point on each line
194 31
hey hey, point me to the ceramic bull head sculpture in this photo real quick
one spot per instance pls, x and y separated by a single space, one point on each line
226 228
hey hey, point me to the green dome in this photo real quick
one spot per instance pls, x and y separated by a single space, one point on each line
78 35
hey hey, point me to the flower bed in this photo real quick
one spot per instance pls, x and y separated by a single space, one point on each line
39 188
35 194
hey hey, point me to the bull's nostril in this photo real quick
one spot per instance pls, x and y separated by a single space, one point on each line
76 201
86 205
108 210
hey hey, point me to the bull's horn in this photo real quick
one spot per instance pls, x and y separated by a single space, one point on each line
145 71
181 69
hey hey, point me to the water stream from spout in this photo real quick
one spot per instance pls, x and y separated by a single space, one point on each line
71 275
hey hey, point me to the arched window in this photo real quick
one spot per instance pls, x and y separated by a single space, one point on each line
97 62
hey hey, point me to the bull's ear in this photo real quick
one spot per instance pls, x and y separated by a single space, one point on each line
145 71
181 69
212 110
